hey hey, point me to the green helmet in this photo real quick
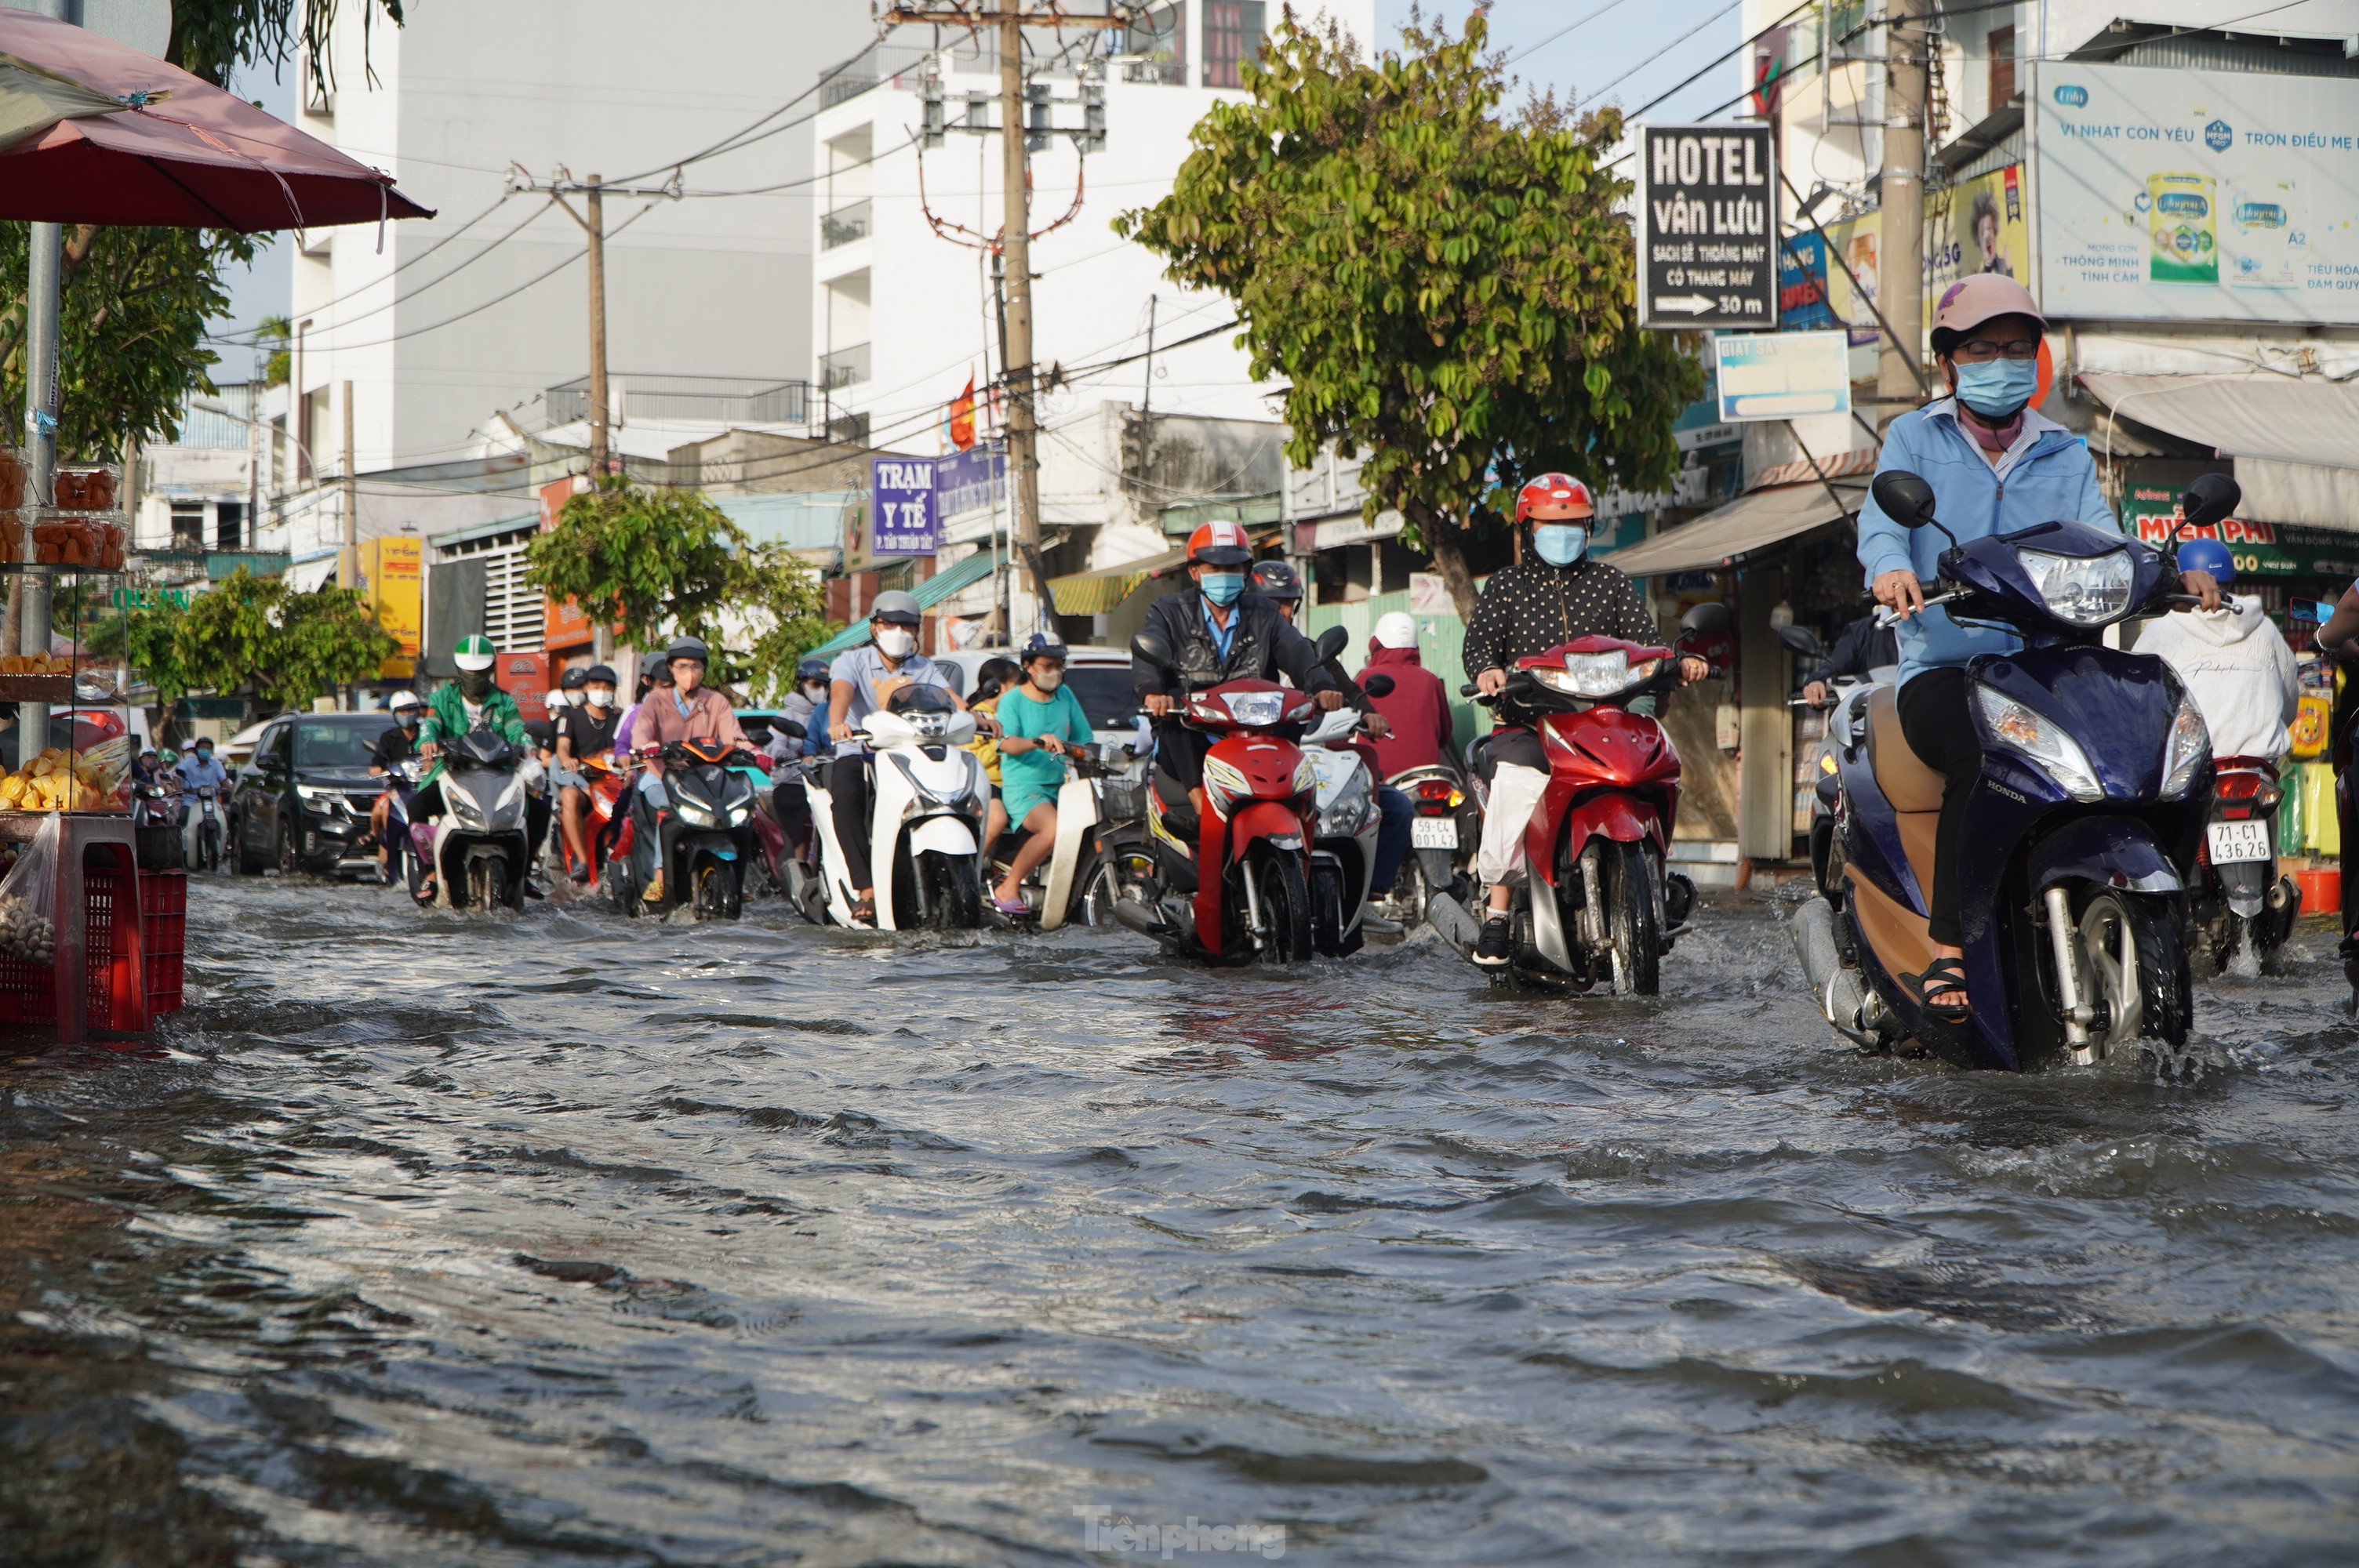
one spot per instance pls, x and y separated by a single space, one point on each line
475 653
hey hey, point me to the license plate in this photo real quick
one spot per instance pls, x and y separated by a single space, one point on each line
2235 841
1433 833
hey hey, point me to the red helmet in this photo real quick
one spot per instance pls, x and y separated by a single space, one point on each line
1220 543
1553 490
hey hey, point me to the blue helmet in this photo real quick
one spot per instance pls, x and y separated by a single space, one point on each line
2208 555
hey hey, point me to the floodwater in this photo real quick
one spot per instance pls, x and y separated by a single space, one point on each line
565 1240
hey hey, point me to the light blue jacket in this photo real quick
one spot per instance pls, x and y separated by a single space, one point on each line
2053 481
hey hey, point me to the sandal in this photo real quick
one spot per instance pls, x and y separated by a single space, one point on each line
863 910
1940 976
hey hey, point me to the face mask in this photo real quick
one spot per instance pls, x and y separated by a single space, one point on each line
409 720
1222 587
601 696
205 756
815 690
1560 543
1047 680
474 685
896 642
1998 390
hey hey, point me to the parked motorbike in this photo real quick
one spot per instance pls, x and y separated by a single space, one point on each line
928 797
480 853
2084 826
2241 908
1599 903
1245 889
703 843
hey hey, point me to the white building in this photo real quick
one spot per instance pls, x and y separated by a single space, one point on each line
437 323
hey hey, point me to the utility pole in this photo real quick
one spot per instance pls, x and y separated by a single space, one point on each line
1899 262
44 275
348 559
593 220
1009 19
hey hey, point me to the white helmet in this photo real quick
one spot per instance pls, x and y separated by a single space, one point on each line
405 700
1395 629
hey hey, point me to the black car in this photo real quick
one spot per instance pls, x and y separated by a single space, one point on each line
302 803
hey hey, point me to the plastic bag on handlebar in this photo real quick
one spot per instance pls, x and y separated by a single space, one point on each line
28 915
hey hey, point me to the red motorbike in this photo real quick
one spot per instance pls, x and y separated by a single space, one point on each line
1246 887
607 816
1599 903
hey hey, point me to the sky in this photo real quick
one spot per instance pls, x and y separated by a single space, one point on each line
265 287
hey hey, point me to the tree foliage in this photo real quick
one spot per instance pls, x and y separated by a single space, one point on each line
255 632
653 561
1439 286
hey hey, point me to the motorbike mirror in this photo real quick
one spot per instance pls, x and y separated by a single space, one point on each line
1377 685
788 728
1907 499
1151 647
1801 639
1706 620
2306 610
2210 499
1332 642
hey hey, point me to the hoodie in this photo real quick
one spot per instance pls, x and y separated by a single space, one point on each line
2237 668
1417 708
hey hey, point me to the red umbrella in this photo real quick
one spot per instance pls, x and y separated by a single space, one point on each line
174 150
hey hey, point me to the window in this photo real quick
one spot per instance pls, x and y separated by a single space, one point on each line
229 525
337 746
514 617
2002 69
187 525
1232 37
1160 39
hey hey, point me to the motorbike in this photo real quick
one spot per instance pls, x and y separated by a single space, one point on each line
1078 883
204 827
1599 903
2085 824
1846 707
927 803
1343 853
2240 909
480 853
702 844
766 874
1442 837
1248 887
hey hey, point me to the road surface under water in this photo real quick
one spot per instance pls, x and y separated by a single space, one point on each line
438 1241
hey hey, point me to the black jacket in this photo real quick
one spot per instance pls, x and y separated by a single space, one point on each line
1528 609
1265 647
1863 646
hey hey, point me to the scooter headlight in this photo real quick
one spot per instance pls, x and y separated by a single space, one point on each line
1227 786
2189 744
1348 812
2038 740
463 808
692 813
513 795
738 816
2087 591
1596 675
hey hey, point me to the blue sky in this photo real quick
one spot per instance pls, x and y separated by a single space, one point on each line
264 288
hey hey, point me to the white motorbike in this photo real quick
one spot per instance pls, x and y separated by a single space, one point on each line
928 797
1344 855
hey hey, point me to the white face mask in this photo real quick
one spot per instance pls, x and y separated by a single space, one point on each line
601 696
1047 680
896 642
815 689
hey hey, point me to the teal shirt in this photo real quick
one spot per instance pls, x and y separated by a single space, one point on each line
1037 771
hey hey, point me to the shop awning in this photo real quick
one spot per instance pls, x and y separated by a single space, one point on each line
927 594
1097 591
2295 439
1743 528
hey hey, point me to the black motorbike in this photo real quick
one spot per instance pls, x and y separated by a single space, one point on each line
705 841
481 852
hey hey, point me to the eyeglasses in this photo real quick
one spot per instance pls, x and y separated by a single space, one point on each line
1982 350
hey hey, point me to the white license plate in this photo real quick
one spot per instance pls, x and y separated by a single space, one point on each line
2234 841
1433 832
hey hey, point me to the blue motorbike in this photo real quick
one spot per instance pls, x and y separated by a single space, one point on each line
2080 839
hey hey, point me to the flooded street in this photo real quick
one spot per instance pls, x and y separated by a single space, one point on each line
451 1240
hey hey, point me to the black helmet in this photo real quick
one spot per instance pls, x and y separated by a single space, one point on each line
1043 646
688 648
654 666
1277 580
574 680
813 669
597 674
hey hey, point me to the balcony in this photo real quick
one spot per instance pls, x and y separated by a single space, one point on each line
844 225
845 367
749 400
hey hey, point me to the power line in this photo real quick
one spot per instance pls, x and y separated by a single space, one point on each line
1568 27
405 266
1716 17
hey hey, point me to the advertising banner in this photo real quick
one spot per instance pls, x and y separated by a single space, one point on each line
1707 226
1782 375
901 504
562 625
1975 225
2195 195
1855 242
968 479
394 567
1802 286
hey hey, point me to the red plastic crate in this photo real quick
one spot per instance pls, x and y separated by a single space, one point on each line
164 937
29 992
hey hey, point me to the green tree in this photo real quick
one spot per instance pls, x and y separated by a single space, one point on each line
255 631
777 612
1445 287
273 334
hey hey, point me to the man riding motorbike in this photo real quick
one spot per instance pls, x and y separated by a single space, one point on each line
1553 596
1217 633
461 707
395 747
1864 646
1417 710
1278 582
687 710
1996 465
861 681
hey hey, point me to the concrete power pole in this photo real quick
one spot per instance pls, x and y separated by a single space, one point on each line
348 559
1900 259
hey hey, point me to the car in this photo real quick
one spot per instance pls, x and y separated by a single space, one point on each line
1099 677
302 804
238 749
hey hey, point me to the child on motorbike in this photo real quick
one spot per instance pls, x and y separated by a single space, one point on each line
992 677
1038 721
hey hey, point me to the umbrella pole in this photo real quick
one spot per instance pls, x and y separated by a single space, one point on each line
44 283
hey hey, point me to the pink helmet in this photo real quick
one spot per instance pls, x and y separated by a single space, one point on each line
1971 301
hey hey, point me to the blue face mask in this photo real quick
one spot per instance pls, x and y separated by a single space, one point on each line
1998 390
1560 543
1222 587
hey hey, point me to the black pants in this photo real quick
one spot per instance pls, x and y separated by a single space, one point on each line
848 784
1933 717
1180 751
791 807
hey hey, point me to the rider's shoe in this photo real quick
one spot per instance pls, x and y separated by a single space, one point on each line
1496 945
655 889
1377 925
534 890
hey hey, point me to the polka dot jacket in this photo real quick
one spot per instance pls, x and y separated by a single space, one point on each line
1531 608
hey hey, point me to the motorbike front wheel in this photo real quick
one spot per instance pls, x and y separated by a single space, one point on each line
1634 927
2136 951
954 891
1285 910
716 895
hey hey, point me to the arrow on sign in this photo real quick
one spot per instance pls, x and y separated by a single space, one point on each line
1693 304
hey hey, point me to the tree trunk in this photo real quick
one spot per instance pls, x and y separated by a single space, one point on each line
1443 543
